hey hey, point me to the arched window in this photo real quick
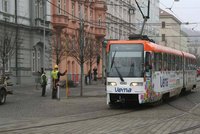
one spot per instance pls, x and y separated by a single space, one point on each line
38 60
73 67
33 61
68 67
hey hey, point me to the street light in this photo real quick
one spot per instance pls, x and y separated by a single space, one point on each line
44 24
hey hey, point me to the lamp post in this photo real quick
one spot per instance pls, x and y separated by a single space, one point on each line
81 36
44 34
130 12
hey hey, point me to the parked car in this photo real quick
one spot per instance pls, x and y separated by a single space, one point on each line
3 94
4 89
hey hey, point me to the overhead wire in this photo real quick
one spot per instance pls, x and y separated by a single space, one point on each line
114 22
96 23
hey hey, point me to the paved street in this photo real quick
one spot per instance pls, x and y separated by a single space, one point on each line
27 112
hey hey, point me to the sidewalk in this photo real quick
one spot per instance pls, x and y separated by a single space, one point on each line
95 89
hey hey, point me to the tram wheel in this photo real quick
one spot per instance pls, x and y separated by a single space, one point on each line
157 103
114 105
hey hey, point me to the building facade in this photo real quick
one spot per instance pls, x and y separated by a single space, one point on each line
171 33
27 25
124 17
74 22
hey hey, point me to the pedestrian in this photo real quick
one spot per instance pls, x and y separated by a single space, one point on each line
95 73
43 83
55 74
89 76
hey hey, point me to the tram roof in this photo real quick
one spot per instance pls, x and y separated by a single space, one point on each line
150 46
189 55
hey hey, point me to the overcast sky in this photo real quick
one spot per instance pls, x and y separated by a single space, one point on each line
184 10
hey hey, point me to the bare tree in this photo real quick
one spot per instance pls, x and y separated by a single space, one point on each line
7 45
90 49
58 47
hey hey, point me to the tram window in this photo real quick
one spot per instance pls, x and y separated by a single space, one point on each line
158 61
148 61
186 64
165 61
173 62
181 63
177 63
169 62
189 64
192 64
155 62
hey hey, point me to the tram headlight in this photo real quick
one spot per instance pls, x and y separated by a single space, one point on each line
112 84
133 84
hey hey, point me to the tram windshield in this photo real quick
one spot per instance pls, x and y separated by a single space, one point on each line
126 60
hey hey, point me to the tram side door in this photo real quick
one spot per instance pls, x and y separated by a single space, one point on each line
148 65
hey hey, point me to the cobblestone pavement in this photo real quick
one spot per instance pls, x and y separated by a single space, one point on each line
27 112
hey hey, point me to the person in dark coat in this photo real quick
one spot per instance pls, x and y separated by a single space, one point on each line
95 74
43 83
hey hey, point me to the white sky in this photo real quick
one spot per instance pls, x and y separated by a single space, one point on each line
184 10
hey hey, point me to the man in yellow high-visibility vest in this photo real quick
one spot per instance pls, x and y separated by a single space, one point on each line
55 75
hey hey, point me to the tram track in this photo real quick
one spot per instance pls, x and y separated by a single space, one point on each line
190 112
179 108
185 112
61 123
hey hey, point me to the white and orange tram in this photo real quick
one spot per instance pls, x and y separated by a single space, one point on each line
143 72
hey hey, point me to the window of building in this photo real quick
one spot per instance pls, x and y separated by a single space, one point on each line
79 10
86 13
91 15
38 61
124 14
33 61
163 24
163 37
112 32
112 8
73 8
59 6
5 5
73 41
73 67
41 9
36 9
65 9
68 67
7 65
100 20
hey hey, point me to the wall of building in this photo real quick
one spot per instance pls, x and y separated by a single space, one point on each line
93 14
118 19
30 38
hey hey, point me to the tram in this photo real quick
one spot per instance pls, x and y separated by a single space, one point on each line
144 72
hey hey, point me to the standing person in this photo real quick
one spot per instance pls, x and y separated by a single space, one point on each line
43 83
89 76
55 74
95 74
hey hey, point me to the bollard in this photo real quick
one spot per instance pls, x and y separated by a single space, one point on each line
58 92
